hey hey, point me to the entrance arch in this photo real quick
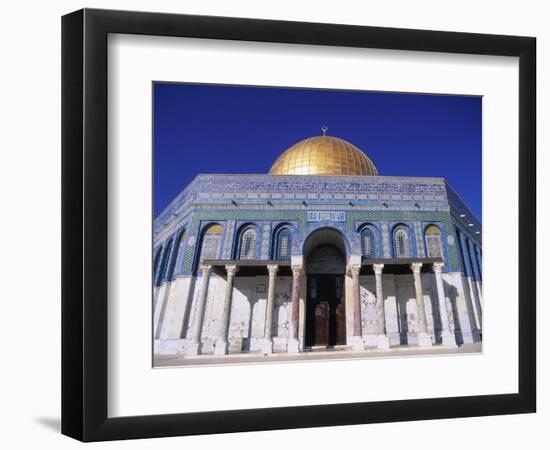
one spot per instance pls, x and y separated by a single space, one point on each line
325 263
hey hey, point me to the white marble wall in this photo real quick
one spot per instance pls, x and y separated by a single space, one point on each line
460 302
171 304
281 313
213 310
390 304
177 303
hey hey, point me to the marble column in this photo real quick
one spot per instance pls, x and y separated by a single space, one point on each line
424 339
267 344
382 341
221 346
193 348
447 336
356 340
293 343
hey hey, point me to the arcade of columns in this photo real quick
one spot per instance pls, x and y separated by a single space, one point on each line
221 344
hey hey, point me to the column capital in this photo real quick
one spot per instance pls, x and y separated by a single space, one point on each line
297 269
204 268
416 267
378 268
354 269
437 266
272 269
231 269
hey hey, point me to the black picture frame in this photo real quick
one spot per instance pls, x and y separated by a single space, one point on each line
84 224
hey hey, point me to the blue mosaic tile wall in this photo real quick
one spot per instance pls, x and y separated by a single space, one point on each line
347 204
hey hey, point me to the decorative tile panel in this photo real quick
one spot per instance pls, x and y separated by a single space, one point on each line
419 239
386 240
229 236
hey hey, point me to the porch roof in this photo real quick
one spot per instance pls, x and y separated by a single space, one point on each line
256 267
397 265
250 267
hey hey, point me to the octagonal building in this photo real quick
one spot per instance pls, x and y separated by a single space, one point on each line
322 253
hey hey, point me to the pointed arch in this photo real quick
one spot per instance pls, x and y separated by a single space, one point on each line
369 241
211 242
178 250
325 249
432 239
401 242
246 243
345 241
156 261
282 243
164 261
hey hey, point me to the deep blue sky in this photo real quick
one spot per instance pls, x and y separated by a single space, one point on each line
233 129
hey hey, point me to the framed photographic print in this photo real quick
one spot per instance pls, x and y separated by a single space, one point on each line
274 224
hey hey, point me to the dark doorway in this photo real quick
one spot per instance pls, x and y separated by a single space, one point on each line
325 311
325 321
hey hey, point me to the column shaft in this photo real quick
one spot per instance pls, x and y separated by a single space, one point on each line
424 340
293 345
356 341
380 313
295 301
270 300
383 342
356 286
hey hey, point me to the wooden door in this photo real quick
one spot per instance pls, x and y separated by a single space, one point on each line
340 324
321 324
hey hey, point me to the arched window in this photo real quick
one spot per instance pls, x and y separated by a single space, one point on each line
282 244
156 261
164 262
178 247
368 243
211 242
432 236
247 245
401 246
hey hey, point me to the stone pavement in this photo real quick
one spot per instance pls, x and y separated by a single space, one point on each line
316 355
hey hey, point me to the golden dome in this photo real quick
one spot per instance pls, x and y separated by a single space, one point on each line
323 155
